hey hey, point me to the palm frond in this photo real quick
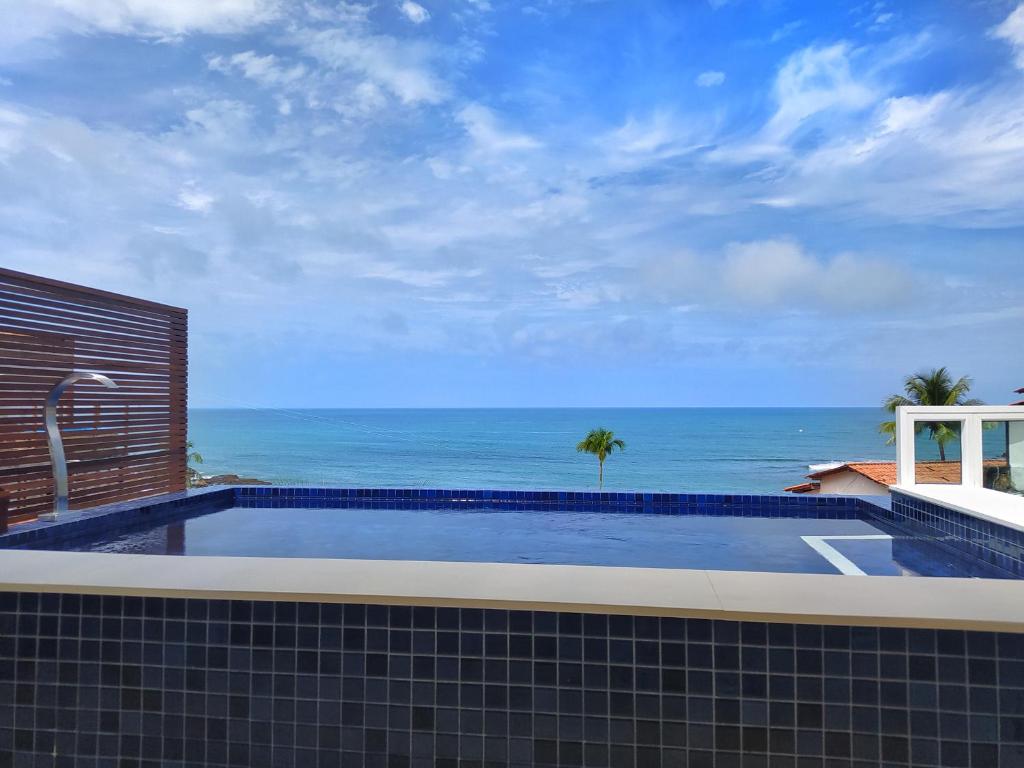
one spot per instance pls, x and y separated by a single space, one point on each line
956 393
934 387
600 442
888 428
944 433
892 402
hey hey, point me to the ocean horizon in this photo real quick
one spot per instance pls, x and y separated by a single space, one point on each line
696 450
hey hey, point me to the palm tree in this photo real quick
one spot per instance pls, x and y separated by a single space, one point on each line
192 475
600 442
934 387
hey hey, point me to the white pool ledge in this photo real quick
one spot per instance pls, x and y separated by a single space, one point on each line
979 604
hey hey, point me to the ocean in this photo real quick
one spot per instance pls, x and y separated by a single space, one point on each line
682 450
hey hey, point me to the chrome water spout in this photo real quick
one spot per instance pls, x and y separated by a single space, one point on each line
56 444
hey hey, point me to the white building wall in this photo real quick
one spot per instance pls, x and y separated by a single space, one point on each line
849 483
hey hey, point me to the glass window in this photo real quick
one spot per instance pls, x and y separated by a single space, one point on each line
937 452
1003 458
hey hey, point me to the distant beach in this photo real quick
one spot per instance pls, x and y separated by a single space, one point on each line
700 450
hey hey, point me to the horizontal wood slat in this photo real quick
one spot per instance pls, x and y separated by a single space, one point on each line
121 444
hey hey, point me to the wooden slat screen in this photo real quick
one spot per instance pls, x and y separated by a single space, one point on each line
121 443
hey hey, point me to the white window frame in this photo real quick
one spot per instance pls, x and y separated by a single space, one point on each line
970 417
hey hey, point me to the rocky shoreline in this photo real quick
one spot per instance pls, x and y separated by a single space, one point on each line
205 482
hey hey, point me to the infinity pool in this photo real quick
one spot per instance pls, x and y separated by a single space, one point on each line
779 544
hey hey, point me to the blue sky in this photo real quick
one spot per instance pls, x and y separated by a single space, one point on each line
477 202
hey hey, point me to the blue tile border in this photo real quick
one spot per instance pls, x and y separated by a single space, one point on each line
991 543
155 509
112 516
739 505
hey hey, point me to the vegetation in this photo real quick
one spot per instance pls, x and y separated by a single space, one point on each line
192 475
934 387
600 442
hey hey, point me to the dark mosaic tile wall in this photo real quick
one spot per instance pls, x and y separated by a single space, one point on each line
110 681
991 543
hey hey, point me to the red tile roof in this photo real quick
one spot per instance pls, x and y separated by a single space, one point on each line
882 472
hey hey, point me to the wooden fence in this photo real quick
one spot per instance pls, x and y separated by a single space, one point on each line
121 443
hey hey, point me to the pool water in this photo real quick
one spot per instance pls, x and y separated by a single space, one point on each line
774 544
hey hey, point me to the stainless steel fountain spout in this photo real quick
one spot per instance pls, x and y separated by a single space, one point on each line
56 444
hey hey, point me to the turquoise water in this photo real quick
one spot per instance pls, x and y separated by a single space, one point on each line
696 450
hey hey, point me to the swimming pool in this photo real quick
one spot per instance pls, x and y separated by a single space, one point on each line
705 533
170 599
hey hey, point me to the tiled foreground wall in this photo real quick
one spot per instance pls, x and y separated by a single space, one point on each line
88 680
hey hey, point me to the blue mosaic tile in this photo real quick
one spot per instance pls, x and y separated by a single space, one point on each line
991 543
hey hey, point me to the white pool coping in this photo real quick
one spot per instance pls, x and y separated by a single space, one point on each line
954 603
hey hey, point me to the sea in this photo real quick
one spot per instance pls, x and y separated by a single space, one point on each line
680 450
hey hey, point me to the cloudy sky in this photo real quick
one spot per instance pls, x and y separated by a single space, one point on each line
498 202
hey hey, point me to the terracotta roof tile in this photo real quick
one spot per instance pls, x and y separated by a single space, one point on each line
937 472
883 472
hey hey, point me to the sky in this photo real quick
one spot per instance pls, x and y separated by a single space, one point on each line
442 203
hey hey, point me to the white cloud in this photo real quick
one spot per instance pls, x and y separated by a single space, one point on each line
956 155
192 198
642 136
444 169
402 68
781 272
265 70
765 272
841 140
417 278
500 215
1012 31
367 97
153 18
643 141
812 81
772 274
488 137
710 79
786 30
414 12
223 122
